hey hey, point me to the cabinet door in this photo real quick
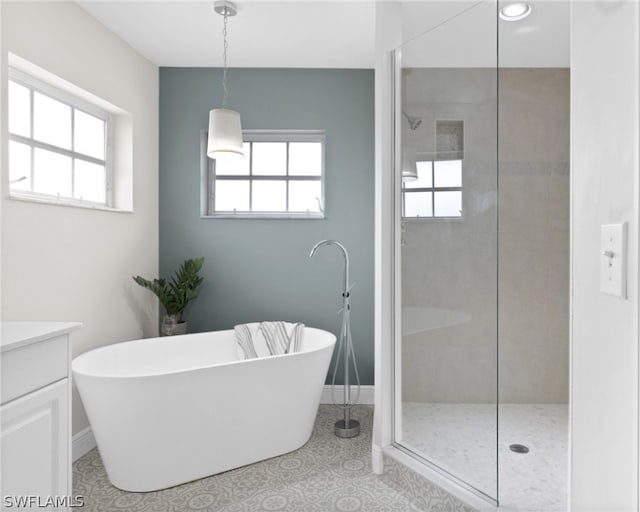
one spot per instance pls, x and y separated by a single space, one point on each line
35 443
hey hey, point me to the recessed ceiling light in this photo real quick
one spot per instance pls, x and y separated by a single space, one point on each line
515 11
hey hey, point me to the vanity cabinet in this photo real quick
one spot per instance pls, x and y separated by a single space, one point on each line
35 413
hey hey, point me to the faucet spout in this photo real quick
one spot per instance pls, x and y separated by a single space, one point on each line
345 254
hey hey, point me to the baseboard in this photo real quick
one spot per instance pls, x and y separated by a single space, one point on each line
83 442
366 394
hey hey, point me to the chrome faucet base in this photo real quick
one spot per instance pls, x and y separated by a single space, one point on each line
347 430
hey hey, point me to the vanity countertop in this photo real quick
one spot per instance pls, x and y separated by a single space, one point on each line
18 334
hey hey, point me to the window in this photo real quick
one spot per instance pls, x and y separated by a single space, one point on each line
281 175
437 193
58 144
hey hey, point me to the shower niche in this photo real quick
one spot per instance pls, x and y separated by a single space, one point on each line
449 140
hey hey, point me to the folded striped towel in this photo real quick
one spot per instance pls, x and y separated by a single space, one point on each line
269 338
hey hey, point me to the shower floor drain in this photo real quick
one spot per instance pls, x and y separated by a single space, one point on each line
519 448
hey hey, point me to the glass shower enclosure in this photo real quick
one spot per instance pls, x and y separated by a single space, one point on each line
446 190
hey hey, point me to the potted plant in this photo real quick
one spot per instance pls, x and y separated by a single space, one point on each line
175 294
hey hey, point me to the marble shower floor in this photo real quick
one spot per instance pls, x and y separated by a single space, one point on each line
461 438
325 475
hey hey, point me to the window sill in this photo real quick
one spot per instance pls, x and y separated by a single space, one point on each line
265 216
62 202
433 219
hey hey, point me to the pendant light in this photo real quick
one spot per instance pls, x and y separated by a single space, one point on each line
408 158
225 131
409 165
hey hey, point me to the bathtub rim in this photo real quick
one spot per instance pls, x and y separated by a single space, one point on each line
78 360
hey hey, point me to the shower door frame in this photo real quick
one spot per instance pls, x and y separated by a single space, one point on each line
397 294
388 280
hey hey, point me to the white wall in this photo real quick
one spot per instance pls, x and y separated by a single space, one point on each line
3 129
63 263
604 360
388 37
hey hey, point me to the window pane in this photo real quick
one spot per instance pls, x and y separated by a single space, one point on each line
305 196
51 173
19 110
237 166
305 158
88 134
269 196
19 166
448 173
417 204
270 158
51 121
90 182
448 204
424 177
232 195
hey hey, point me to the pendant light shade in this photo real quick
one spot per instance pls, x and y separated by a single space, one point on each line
409 169
225 134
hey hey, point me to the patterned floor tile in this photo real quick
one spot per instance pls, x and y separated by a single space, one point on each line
327 474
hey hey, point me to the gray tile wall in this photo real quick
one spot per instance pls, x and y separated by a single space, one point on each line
534 235
453 264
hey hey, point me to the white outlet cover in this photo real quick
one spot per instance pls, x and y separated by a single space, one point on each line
613 259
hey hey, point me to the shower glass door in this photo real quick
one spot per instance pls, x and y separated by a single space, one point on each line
446 191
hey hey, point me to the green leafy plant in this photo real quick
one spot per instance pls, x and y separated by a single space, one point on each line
176 294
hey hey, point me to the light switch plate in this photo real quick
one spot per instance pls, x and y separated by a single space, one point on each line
613 259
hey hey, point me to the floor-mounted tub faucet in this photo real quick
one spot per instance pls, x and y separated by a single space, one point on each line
346 427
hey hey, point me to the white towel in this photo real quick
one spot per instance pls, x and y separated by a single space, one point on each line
244 338
269 338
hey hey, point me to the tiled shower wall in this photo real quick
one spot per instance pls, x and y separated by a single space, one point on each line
453 264
449 267
534 235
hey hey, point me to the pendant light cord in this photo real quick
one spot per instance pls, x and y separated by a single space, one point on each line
225 91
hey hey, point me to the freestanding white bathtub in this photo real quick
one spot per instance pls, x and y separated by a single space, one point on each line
165 411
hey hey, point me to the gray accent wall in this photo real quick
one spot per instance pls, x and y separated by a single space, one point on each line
259 269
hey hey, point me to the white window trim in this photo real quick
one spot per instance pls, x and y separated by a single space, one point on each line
77 103
207 176
433 189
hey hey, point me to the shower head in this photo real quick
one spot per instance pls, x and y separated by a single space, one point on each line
414 122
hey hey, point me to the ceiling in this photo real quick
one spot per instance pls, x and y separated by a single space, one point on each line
472 36
309 34
335 33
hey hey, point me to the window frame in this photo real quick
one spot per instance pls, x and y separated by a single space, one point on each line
433 189
284 136
34 84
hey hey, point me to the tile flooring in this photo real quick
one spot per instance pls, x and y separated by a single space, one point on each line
461 438
327 474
